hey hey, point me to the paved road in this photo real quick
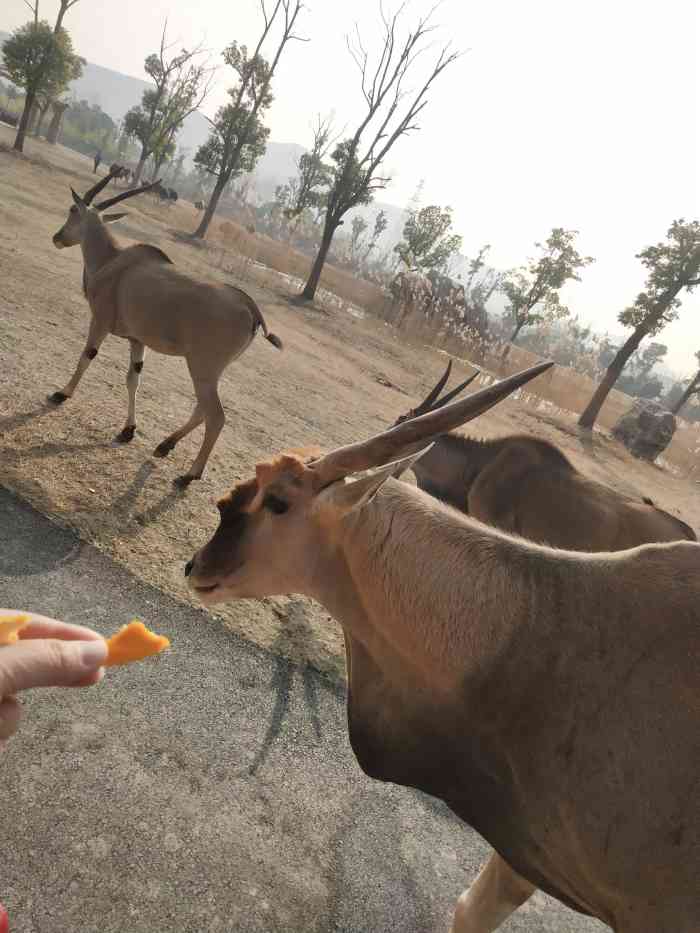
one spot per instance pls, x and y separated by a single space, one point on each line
211 789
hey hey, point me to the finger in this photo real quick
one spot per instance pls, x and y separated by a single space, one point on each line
49 663
10 712
88 681
43 627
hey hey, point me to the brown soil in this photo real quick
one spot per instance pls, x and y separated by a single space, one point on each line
338 379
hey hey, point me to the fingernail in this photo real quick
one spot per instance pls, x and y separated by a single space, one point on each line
93 653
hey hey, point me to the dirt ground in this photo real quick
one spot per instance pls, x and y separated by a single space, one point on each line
338 379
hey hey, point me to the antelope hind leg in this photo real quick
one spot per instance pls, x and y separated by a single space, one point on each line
196 418
214 419
132 384
496 893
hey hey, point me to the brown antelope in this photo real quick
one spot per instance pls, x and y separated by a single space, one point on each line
527 486
550 698
137 293
117 171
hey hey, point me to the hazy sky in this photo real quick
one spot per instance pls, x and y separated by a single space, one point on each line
561 113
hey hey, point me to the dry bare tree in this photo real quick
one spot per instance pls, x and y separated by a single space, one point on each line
238 136
313 173
392 111
181 85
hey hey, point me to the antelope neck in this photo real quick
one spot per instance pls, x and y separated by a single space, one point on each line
97 244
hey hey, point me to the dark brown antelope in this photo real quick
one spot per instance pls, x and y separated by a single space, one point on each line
527 486
137 293
550 698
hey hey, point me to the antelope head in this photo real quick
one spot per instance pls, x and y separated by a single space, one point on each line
432 401
83 211
277 529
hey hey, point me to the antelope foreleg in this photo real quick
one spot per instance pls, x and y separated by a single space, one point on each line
132 384
496 893
96 335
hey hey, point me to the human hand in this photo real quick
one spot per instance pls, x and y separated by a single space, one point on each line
49 653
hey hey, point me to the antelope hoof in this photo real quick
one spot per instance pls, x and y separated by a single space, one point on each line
58 398
126 434
182 482
163 449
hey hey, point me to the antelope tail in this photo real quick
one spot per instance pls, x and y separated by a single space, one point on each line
258 319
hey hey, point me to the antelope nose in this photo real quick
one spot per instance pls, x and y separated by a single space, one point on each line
188 567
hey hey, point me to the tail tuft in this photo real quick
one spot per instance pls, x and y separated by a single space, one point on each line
274 340
648 501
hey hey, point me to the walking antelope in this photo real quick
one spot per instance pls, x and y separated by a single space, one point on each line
550 698
137 293
527 486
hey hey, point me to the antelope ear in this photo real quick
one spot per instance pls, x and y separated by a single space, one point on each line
346 497
112 218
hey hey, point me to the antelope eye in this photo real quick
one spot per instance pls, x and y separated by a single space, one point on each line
275 504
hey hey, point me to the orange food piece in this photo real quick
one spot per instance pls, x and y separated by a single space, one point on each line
11 626
133 642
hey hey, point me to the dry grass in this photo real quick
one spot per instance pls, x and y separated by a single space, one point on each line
340 377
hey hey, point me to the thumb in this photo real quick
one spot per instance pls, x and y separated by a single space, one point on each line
46 662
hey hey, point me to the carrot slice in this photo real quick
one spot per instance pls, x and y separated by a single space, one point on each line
133 642
11 626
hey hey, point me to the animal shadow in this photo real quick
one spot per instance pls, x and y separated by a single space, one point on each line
21 418
126 502
282 680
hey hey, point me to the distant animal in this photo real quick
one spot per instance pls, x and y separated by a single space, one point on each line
527 486
97 158
118 172
550 698
410 291
137 293
199 205
162 193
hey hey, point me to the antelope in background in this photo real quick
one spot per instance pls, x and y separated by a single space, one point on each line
550 698
137 293
526 486
117 171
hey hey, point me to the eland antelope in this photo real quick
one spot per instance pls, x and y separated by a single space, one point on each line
137 293
527 486
550 698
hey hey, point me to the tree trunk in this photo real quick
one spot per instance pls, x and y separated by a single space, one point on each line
55 125
513 338
24 121
612 374
514 335
157 167
693 387
210 209
309 292
41 116
139 167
